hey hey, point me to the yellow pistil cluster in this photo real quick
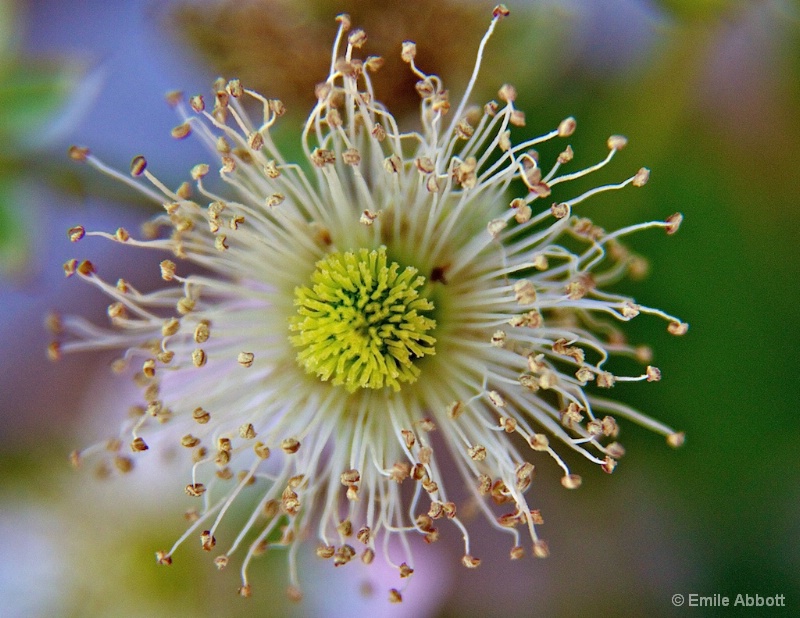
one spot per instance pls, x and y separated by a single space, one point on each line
361 324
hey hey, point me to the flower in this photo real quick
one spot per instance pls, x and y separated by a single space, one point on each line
325 318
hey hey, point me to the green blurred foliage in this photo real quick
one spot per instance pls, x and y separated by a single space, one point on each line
31 95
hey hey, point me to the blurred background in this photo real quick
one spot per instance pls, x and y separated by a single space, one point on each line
707 91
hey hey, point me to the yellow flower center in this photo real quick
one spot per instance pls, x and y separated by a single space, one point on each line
360 324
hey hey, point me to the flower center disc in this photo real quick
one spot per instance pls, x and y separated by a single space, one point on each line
360 324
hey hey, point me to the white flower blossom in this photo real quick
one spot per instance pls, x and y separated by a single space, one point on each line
322 319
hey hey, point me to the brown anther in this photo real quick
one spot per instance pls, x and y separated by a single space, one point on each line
430 486
357 38
138 445
464 130
118 310
405 570
496 226
610 427
395 596
170 327
477 452
78 153
199 357
673 223
234 88
343 555
677 328
245 591
167 270
540 549
418 472
325 551
364 535
425 165
508 424
350 477
351 156
86 268
54 351
566 156
408 51
123 464
207 541
228 164
245 359
195 490
181 131
524 292
608 465
470 562
138 165
173 98
197 103
345 528
641 177
321 157
653 373
455 409
425 454
408 437
261 450
517 118
507 93
393 164
163 558
400 471
378 132
560 210
529 382
567 127
368 217
201 416
571 481
189 441
605 379
149 367
290 446
221 562
70 266
277 107
615 450
276 199
426 424
202 331
500 493
524 475
584 374
676 439
289 502
539 442
247 431
424 522
500 11
484 485
75 233
617 142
